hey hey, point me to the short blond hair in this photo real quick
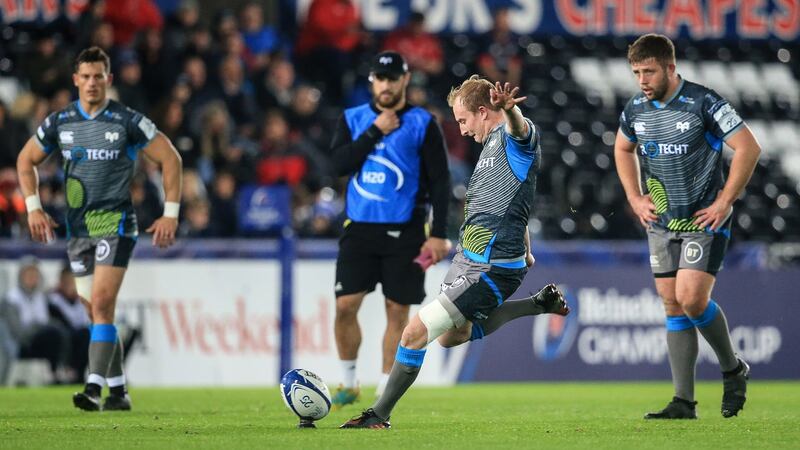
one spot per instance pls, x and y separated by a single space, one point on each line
473 92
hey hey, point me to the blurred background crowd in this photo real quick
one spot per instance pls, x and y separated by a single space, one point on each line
248 102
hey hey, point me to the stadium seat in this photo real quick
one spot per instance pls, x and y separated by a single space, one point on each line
590 74
717 76
747 80
779 80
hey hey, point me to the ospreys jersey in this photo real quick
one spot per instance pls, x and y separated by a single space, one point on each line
499 198
679 143
99 154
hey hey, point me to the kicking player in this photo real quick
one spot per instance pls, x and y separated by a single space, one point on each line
676 128
493 254
99 141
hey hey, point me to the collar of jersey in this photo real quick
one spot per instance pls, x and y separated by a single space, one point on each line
660 105
86 115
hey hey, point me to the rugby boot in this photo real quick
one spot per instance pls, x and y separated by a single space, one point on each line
734 385
367 419
117 403
86 401
345 396
678 408
551 300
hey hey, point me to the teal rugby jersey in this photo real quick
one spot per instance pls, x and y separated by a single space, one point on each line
500 197
679 144
99 155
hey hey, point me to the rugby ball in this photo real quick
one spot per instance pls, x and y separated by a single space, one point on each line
305 394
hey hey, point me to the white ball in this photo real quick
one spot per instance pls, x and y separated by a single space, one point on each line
306 394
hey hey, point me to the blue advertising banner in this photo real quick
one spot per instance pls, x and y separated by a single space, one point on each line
616 328
264 209
696 19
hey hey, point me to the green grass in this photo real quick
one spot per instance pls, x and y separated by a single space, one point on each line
480 416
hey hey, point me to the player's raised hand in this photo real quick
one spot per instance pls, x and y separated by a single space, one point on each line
644 208
504 96
41 226
163 231
714 216
387 121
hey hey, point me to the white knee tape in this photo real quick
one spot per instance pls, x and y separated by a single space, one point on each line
84 287
436 319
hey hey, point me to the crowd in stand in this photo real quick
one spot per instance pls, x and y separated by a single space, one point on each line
246 103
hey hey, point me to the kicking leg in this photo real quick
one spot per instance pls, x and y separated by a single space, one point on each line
396 321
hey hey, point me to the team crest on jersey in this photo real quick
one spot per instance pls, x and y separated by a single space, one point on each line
66 137
112 136
682 126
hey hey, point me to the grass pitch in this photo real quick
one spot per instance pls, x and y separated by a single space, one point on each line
480 416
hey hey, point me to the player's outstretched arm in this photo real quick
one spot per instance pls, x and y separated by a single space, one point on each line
162 152
39 222
504 97
746 152
628 171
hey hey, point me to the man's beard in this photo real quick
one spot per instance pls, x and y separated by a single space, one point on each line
393 101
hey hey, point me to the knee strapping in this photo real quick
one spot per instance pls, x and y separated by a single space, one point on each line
84 287
437 318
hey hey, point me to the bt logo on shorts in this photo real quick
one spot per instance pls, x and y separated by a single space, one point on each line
693 252
103 250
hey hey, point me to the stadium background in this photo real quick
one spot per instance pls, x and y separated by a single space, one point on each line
252 121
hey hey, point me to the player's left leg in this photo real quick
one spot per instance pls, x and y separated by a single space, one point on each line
694 294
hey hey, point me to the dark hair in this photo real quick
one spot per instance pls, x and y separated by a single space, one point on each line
656 46
92 55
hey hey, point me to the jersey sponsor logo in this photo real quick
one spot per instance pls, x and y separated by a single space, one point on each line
727 118
653 149
78 154
103 250
66 137
147 127
638 127
485 163
375 177
112 136
693 252
682 126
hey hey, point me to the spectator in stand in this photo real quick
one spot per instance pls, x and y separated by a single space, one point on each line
169 118
12 205
276 85
500 57
280 161
68 310
13 135
216 134
223 215
128 82
103 37
202 92
422 50
89 20
160 66
180 25
48 69
261 40
237 93
24 310
305 118
197 220
129 17
327 44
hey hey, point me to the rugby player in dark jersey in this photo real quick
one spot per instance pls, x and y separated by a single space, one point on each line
99 141
668 153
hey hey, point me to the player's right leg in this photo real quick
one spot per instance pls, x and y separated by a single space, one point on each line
682 347
103 340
